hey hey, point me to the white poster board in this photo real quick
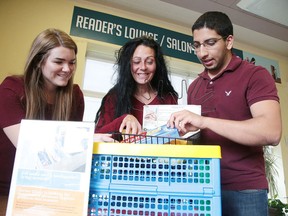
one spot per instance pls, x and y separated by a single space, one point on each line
51 174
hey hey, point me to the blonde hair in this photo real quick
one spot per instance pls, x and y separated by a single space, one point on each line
33 79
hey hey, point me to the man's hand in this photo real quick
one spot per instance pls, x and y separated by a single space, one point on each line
185 121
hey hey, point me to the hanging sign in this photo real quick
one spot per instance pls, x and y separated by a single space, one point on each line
117 30
112 29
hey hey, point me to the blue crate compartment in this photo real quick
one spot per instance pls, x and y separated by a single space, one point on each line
168 179
103 202
181 175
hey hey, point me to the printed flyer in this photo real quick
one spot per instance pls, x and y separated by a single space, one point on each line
51 174
155 116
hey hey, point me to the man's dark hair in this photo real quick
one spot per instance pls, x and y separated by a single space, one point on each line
214 20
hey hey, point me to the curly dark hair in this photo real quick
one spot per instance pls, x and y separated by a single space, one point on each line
125 84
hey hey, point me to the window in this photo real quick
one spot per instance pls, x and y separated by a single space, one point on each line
99 76
98 79
181 84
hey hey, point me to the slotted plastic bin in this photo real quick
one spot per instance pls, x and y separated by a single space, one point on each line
159 180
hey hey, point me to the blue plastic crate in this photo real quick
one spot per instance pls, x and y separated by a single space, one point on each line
135 179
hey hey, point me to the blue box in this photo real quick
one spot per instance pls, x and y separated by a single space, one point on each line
136 179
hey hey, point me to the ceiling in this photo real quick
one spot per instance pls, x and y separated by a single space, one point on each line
249 28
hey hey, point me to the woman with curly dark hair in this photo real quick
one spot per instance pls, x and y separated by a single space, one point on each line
142 79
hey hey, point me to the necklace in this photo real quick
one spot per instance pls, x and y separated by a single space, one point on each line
147 98
141 98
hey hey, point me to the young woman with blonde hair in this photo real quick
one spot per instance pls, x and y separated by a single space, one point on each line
44 92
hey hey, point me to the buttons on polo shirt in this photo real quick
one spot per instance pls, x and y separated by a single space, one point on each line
210 86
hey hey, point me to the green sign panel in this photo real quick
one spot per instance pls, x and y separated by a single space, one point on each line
117 30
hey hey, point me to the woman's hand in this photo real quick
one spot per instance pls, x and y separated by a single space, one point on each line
131 125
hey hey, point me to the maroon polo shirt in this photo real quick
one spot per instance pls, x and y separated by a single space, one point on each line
229 96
